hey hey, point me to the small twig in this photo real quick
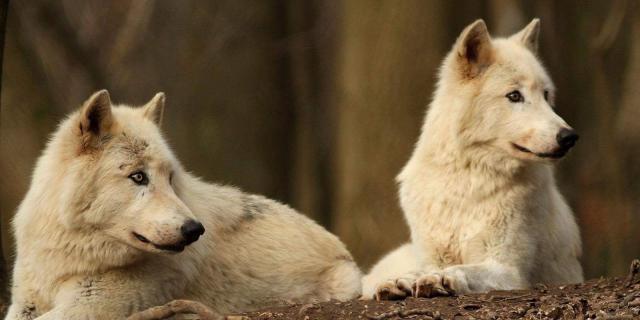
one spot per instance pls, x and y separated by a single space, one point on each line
176 307
614 317
633 271
627 299
494 298
385 315
406 313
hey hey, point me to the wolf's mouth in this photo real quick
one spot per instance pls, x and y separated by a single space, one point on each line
520 148
179 247
141 238
553 155
170 247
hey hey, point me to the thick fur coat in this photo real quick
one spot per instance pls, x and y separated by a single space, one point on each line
108 226
479 193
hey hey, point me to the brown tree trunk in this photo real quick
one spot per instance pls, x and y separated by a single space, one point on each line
4 283
388 53
506 17
311 35
627 137
605 204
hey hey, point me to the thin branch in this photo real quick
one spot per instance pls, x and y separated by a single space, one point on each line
406 313
634 269
176 307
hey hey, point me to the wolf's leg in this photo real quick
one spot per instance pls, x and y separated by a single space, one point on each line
110 306
471 278
23 305
176 307
21 312
113 295
116 305
393 276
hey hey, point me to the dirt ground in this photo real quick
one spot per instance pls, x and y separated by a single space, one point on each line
605 298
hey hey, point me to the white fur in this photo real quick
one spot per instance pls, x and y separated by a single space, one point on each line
483 214
77 257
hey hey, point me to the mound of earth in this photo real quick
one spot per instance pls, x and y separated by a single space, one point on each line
605 298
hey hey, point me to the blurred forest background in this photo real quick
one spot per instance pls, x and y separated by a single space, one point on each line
318 103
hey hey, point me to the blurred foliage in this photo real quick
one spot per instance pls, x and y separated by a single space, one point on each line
318 103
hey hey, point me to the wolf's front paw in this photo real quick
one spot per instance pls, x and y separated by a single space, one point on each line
396 289
431 285
446 283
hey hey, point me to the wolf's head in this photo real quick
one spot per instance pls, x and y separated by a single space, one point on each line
494 95
119 176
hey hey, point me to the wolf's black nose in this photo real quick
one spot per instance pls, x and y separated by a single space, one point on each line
567 138
191 231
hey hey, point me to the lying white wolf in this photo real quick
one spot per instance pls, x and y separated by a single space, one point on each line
478 192
113 224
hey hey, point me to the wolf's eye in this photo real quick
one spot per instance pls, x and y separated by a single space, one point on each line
546 95
140 178
515 96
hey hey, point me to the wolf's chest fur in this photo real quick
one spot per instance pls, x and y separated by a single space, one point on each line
464 221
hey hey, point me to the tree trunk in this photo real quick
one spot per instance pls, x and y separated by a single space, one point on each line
311 28
627 137
4 284
388 53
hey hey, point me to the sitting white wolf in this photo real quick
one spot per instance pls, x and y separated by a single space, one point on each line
478 192
113 224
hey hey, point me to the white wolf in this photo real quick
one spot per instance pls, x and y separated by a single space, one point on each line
110 208
478 192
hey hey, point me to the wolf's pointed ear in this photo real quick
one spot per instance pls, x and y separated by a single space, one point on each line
96 117
529 35
154 109
474 48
